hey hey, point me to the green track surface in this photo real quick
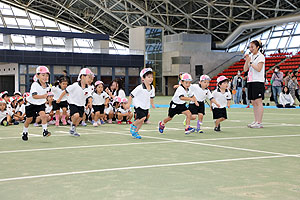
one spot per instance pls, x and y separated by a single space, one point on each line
107 163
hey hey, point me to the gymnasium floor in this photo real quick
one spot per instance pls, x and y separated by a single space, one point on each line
107 163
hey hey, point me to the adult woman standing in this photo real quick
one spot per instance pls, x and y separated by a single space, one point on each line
276 82
255 63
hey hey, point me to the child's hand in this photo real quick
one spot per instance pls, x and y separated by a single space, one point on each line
153 106
58 101
196 103
228 105
45 96
218 105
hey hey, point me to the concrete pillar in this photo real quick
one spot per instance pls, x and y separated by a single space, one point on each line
69 44
6 41
39 43
100 46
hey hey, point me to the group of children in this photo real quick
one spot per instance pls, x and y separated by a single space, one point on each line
73 104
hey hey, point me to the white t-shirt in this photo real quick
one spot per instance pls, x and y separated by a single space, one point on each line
37 89
48 108
286 99
57 92
181 92
199 93
253 75
221 98
99 99
121 93
141 96
4 114
78 95
122 110
21 109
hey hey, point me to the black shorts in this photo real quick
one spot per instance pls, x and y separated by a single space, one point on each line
256 90
141 113
62 104
176 109
219 113
99 108
32 110
195 110
76 109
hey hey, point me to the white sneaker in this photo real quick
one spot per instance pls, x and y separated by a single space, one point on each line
249 125
95 124
257 125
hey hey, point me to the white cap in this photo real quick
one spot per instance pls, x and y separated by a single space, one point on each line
221 78
205 78
144 71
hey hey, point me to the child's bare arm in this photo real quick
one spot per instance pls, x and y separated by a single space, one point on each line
61 96
37 96
152 102
215 102
228 103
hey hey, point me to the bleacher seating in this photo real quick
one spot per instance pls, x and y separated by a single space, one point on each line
271 61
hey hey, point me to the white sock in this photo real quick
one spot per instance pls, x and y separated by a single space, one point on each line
44 126
25 130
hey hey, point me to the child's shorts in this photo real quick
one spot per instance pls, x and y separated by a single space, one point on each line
98 108
195 110
176 109
76 109
32 110
219 113
141 113
62 104
109 109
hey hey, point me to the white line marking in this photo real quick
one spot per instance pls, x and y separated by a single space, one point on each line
80 147
128 144
139 167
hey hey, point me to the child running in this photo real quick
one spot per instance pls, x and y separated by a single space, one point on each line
63 104
223 97
201 92
100 101
36 101
141 97
177 105
78 94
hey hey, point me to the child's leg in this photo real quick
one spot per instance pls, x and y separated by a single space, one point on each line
166 120
200 119
76 119
218 121
129 117
44 119
193 117
57 117
188 115
138 123
38 119
120 116
63 116
96 116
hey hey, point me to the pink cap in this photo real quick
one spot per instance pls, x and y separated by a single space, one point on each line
98 83
186 77
144 71
205 78
221 78
2 101
50 94
124 100
117 99
42 70
84 71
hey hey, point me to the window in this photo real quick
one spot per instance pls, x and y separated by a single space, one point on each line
106 71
